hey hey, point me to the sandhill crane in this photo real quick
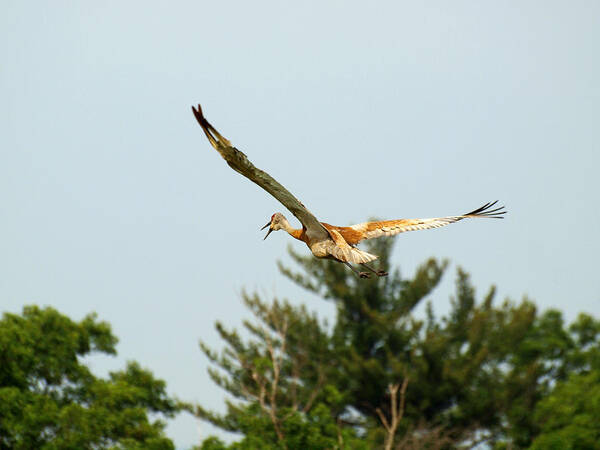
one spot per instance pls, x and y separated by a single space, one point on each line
324 240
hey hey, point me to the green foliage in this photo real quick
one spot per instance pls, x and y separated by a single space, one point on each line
476 375
316 429
50 400
569 416
280 377
454 364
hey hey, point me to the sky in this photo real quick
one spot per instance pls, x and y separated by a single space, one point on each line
113 201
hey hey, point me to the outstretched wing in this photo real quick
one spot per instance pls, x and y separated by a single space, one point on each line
240 163
370 230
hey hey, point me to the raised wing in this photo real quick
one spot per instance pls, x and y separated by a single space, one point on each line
239 162
370 230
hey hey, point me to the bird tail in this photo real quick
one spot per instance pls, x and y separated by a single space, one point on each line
361 257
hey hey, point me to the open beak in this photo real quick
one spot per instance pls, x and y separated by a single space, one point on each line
270 229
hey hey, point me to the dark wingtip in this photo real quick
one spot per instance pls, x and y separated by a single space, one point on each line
199 116
485 211
213 135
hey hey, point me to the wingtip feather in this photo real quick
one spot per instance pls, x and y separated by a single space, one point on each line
214 137
485 211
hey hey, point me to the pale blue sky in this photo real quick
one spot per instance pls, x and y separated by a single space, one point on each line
113 201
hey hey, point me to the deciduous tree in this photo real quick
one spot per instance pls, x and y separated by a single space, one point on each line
49 399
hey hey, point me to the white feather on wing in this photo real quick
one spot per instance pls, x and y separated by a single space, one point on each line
371 230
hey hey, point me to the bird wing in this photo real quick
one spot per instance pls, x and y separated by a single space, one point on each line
239 162
370 230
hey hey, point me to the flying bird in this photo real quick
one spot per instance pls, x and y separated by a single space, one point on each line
324 240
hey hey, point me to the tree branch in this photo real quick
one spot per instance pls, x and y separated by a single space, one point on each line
397 411
315 392
276 360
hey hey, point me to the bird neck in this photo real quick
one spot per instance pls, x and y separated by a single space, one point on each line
295 233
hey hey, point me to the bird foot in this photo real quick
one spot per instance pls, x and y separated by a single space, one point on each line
364 274
382 273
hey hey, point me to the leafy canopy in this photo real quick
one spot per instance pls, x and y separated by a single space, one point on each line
49 399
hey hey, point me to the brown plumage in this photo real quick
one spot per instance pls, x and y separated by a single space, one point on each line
324 240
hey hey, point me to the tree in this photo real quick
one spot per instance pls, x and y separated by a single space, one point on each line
280 379
568 416
50 400
454 363
400 377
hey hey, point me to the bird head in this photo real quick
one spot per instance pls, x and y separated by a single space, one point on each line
277 222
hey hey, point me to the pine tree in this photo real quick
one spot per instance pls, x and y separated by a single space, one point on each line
386 374
452 363
280 379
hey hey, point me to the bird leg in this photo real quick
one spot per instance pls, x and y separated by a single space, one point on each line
360 274
379 273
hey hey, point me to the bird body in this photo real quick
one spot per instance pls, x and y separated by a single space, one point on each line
324 240
333 246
